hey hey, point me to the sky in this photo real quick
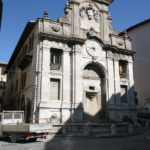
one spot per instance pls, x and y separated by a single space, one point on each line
16 13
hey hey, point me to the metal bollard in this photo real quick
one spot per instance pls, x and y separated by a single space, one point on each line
130 129
64 130
113 130
86 130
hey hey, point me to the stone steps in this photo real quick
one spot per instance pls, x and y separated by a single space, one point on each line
93 130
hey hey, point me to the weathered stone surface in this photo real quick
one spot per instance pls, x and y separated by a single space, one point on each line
74 73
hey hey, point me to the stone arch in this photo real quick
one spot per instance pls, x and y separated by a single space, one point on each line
100 68
94 92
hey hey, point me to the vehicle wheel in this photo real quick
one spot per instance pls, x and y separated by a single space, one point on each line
13 138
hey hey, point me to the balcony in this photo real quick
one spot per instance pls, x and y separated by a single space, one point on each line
123 75
56 67
25 61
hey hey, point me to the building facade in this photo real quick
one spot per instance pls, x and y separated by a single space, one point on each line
75 69
3 78
140 34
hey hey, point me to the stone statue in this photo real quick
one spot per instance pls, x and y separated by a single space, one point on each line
83 12
89 17
89 12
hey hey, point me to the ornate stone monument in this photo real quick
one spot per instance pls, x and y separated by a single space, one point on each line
82 69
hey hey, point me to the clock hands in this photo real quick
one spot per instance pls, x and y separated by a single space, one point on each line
93 48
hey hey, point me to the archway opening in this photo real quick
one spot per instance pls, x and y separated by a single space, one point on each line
94 92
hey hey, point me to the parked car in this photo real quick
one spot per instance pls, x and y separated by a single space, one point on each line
12 125
146 109
144 115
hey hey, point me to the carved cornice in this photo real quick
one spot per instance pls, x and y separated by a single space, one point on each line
74 2
107 2
115 49
58 38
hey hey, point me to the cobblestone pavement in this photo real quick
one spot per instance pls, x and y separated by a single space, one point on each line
138 142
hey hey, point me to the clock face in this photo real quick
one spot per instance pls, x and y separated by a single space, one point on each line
93 48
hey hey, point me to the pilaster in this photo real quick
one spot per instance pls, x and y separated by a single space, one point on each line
111 96
131 84
45 65
77 75
117 81
66 76
106 29
75 19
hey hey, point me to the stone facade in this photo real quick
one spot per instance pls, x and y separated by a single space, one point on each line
140 35
78 70
3 78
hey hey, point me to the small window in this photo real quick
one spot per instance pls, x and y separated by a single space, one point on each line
91 88
8 116
17 116
123 69
124 97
